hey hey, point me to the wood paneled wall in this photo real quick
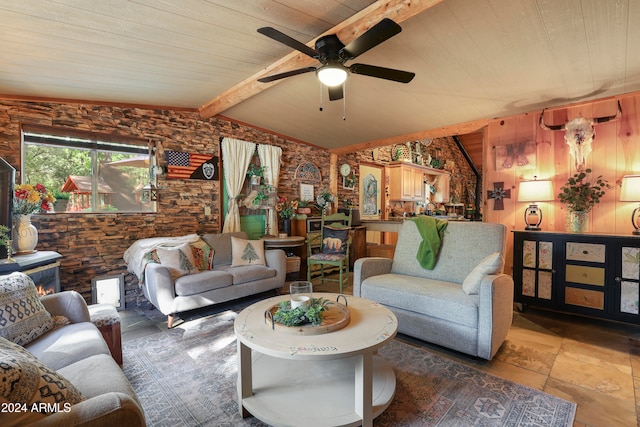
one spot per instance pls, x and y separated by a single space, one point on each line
616 152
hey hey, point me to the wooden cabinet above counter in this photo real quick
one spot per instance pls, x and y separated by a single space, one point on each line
407 182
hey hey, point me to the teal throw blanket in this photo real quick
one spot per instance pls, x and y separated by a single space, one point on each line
431 230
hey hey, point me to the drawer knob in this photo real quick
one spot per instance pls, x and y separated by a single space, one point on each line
618 279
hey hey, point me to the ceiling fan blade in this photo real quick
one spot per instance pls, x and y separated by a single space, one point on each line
274 77
382 73
336 92
286 40
375 35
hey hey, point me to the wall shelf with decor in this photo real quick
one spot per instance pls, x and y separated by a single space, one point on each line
591 274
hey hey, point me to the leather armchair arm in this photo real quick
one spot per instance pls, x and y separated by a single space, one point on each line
69 304
109 409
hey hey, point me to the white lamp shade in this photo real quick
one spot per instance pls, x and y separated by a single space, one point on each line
630 191
535 191
332 75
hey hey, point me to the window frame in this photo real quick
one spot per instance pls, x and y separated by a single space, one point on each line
94 142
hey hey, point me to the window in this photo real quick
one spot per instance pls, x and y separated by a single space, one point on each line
88 172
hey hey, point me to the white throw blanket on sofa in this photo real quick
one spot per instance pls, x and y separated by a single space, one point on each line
134 255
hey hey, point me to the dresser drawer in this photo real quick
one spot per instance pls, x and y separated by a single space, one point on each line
590 252
584 298
585 275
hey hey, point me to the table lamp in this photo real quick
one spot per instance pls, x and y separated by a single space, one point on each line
630 192
533 192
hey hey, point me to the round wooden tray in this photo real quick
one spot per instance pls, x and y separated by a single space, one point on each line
335 317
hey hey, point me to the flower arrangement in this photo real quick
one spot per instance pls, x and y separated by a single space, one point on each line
29 199
286 209
325 198
581 196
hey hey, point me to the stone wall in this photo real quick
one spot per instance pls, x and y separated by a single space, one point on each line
93 244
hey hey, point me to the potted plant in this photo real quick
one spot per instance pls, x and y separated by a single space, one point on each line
62 201
303 207
580 197
255 173
5 238
325 199
287 210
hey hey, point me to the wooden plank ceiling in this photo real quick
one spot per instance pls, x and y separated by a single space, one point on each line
474 60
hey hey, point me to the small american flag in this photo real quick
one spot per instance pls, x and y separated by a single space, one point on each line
183 165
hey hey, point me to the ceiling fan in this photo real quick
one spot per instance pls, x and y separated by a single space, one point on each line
333 54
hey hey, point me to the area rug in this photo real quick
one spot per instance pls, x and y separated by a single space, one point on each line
186 376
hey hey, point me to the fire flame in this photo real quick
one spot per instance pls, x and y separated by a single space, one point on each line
42 291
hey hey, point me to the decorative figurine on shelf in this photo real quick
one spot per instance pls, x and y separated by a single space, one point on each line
10 251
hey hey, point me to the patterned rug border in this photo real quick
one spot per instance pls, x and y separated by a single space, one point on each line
431 389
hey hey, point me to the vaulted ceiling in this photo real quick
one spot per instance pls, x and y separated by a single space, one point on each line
474 60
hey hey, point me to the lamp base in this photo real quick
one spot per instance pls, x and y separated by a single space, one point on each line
533 217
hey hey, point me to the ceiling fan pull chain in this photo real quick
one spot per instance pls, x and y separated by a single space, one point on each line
321 108
344 101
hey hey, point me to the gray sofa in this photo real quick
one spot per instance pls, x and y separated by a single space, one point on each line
78 352
431 304
221 284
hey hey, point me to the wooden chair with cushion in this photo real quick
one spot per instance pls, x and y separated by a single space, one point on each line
334 247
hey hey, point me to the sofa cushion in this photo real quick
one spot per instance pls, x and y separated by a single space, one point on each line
247 252
221 244
23 318
25 379
249 273
84 372
464 245
178 259
490 265
67 345
435 298
197 283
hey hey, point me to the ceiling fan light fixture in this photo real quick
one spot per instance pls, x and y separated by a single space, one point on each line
332 75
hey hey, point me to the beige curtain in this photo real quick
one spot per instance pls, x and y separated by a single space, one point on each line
270 158
236 156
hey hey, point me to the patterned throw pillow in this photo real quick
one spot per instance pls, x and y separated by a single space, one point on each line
334 240
23 318
178 259
247 252
202 255
26 380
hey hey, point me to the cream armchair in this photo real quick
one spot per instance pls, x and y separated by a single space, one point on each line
436 305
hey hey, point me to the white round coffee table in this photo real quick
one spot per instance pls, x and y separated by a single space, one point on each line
332 379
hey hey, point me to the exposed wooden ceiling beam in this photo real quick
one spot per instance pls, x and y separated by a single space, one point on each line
347 31
459 129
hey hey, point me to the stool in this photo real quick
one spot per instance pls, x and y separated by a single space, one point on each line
107 320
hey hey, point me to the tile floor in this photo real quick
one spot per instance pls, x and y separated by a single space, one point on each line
591 362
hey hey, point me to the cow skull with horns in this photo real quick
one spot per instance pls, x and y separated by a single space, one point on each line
579 135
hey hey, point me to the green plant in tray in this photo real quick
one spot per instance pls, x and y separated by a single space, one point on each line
287 316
